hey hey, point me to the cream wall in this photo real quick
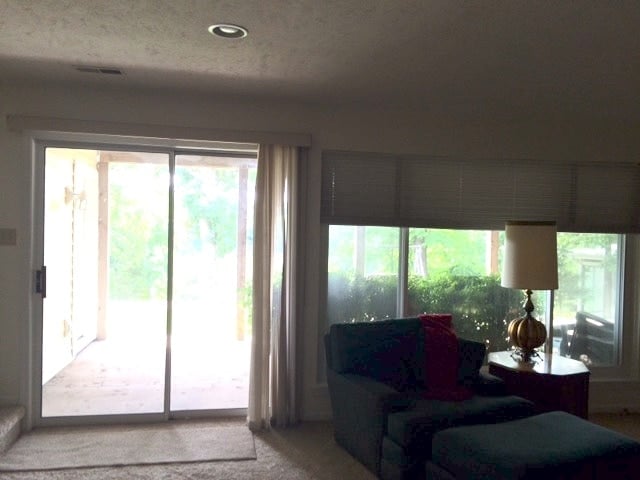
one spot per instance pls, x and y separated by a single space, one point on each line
347 127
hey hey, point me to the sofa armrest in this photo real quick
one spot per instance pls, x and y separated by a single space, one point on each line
360 406
488 385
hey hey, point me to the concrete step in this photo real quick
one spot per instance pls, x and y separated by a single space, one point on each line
10 418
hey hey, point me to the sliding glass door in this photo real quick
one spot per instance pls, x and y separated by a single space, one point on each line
105 252
212 282
145 282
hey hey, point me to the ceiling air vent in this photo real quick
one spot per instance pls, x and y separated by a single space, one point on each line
102 70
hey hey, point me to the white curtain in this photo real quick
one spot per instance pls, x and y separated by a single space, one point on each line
272 385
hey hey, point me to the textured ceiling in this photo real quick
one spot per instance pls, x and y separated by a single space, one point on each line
511 56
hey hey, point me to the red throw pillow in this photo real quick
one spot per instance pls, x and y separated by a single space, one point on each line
441 354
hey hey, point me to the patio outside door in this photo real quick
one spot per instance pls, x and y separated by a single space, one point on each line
210 347
146 290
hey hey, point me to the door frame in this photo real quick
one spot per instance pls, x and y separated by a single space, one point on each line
38 142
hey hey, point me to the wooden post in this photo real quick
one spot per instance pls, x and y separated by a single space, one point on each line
241 267
103 244
494 248
360 250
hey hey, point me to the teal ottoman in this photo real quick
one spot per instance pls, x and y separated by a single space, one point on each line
554 445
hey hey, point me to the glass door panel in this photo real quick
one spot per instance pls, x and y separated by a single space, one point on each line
587 304
105 248
210 342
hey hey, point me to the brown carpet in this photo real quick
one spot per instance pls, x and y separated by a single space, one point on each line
625 423
170 442
306 452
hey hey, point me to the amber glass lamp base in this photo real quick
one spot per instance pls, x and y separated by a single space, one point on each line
527 333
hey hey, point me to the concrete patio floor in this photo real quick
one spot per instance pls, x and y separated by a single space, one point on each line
125 375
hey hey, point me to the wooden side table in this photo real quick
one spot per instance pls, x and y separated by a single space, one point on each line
552 382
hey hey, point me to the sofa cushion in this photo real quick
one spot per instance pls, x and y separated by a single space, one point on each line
387 351
392 351
472 356
413 429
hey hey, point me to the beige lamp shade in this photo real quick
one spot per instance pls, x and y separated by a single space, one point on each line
530 256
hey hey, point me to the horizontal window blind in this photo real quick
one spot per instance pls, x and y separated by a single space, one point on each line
376 189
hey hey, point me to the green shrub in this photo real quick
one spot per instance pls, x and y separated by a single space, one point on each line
481 308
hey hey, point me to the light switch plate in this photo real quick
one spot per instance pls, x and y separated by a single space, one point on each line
8 236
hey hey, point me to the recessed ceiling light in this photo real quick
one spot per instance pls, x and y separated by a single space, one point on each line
227 30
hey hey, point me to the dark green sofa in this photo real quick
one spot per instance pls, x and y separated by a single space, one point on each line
376 375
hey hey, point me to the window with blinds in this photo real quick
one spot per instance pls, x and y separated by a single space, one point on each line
438 192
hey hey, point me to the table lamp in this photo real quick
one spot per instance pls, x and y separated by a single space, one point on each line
530 263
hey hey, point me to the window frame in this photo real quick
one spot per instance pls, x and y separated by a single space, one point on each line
627 331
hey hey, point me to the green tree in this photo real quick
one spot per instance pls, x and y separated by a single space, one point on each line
209 197
449 251
137 233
